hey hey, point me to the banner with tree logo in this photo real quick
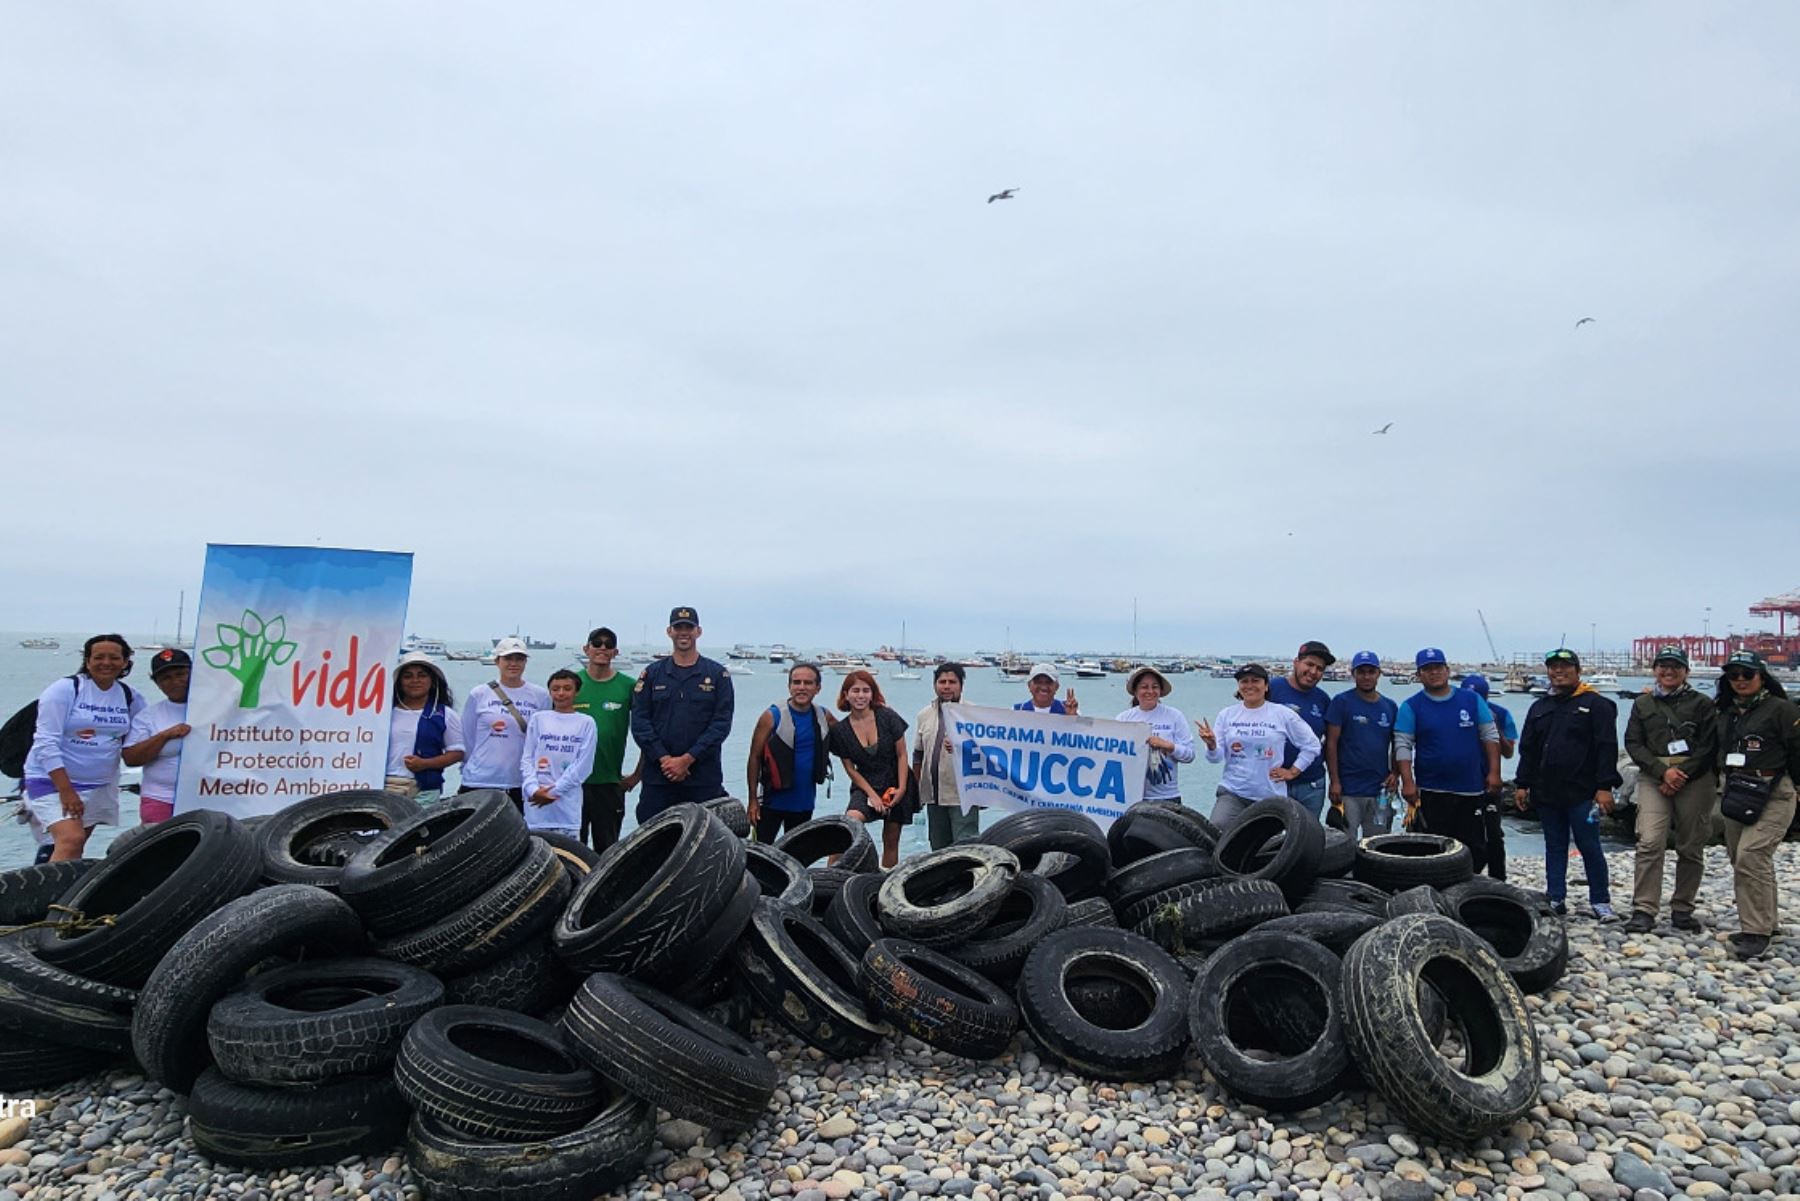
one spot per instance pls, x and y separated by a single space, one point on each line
291 684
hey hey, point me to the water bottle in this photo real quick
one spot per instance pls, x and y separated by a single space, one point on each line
1593 814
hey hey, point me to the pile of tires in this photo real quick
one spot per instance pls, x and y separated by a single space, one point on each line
361 973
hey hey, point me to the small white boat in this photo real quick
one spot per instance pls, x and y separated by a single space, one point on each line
425 646
1089 669
464 656
738 669
40 644
907 674
1603 680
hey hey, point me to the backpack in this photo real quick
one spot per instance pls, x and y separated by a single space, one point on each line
17 733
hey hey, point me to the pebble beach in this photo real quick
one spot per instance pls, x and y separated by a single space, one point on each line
1670 1069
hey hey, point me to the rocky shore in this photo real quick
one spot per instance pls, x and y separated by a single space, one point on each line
1670 1069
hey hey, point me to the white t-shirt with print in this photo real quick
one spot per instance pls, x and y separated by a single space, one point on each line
403 732
493 739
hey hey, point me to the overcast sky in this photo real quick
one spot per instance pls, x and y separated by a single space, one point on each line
603 309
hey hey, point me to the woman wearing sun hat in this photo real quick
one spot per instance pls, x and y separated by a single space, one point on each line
1251 739
425 735
1171 742
1759 760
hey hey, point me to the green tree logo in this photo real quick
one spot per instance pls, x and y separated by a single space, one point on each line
247 649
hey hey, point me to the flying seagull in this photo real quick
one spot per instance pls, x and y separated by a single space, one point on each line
1002 194
1583 322
1384 429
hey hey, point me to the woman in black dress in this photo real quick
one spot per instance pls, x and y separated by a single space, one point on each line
871 742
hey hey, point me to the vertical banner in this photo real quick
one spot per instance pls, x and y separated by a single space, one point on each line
1014 759
292 678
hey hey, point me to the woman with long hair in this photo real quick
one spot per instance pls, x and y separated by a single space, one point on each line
1759 760
871 742
72 770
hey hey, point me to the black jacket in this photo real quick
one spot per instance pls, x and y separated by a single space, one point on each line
1569 747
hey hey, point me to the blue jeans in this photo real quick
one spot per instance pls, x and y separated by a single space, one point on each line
1310 797
1561 821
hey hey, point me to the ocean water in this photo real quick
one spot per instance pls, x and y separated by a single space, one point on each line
25 673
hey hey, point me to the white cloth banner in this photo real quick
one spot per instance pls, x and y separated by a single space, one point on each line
290 692
1022 759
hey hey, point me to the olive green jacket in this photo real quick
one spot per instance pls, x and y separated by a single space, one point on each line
1684 716
1767 734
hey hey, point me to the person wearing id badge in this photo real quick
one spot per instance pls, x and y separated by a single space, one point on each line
1759 759
1672 735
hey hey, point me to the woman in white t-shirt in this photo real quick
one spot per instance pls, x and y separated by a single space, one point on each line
1251 739
72 770
1171 742
559 755
154 742
424 733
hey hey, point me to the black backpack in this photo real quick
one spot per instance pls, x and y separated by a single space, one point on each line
16 734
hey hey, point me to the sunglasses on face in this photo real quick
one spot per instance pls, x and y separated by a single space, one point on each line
1559 657
1739 673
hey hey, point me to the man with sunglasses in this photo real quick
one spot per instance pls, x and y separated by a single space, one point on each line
1569 756
1673 736
605 696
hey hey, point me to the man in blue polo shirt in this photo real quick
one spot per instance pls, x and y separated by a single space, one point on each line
1299 691
1448 750
1359 749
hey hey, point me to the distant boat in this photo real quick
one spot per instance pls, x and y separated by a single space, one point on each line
41 644
738 669
744 650
1089 669
466 656
1603 680
425 646
782 653
531 644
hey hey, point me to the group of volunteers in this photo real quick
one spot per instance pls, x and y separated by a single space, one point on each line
558 750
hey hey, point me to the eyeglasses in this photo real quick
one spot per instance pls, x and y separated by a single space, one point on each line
1742 673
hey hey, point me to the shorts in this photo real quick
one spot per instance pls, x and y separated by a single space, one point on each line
100 804
152 811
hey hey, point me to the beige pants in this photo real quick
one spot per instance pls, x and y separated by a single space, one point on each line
1690 811
1752 853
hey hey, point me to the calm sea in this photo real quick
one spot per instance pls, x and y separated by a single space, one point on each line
25 673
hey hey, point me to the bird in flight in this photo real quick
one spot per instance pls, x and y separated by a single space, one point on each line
1002 194
1384 429
1583 322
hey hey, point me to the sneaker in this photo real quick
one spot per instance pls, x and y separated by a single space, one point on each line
1604 912
1640 923
1559 909
1749 946
1685 920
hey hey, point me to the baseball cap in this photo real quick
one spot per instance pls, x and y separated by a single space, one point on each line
168 659
1252 669
681 615
1562 654
1428 656
1476 682
509 646
1365 659
1745 659
1316 648
1042 669
1670 654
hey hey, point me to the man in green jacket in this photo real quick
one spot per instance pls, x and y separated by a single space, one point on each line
1672 735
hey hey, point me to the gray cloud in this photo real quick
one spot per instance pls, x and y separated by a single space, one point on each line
599 309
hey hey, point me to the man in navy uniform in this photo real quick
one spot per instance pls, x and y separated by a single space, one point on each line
680 718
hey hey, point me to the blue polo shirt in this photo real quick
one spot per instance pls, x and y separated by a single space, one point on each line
1311 706
1365 736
